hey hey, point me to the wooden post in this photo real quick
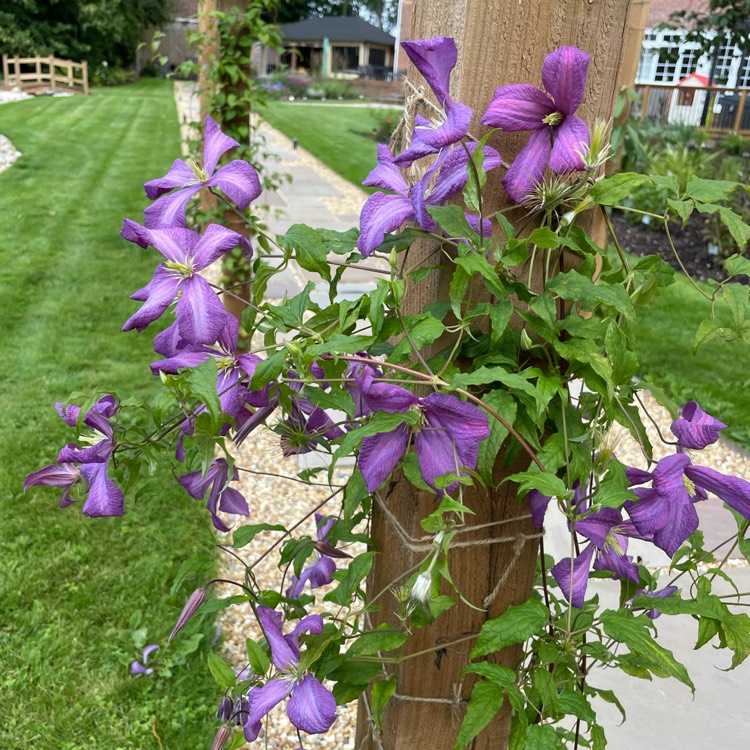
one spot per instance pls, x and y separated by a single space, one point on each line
38 69
644 103
85 76
6 72
52 72
500 42
740 110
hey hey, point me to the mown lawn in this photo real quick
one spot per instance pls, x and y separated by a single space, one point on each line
78 596
339 136
717 376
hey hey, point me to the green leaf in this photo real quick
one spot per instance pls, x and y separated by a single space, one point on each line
635 633
598 738
308 249
516 625
341 344
423 330
383 639
258 658
245 534
380 694
452 220
544 238
268 370
737 264
575 287
546 483
739 230
486 700
350 579
222 673
541 737
502 676
476 263
682 208
709 329
202 381
574 703
736 632
710 191
505 405
612 190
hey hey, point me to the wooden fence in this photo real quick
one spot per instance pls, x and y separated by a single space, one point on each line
717 109
45 74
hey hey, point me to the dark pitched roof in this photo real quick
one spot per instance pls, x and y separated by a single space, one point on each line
337 29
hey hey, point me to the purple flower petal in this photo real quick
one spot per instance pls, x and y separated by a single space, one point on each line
169 210
105 497
484 229
570 140
309 624
538 503
695 429
435 60
564 77
528 167
381 213
283 655
735 492
54 475
388 397
180 175
200 314
232 501
239 181
617 561
262 700
215 242
137 668
517 107
312 708
163 290
437 136
596 527
183 360
386 174
437 455
149 650
574 589
215 144
380 454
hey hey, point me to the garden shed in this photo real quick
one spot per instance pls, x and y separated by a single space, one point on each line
342 47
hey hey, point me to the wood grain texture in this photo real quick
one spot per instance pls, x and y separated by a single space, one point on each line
499 42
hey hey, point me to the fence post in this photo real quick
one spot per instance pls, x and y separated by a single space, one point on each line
52 71
38 69
85 74
740 110
70 75
6 73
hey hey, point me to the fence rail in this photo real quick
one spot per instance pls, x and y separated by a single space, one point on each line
717 108
45 73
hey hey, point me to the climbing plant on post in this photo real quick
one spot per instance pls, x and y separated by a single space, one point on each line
500 42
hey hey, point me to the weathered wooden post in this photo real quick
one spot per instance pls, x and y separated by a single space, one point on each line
499 42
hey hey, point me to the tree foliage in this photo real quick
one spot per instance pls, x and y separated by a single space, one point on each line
716 25
92 30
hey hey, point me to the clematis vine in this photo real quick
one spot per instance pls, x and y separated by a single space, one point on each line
91 463
221 496
558 137
238 180
200 315
311 707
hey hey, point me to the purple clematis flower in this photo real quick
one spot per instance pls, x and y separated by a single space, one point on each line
558 137
200 315
435 59
311 707
104 498
321 571
664 593
385 212
137 668
232 367
695 429
238 180
446 441
607 534
221 496
665 512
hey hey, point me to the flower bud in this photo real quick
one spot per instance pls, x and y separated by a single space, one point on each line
193 603
225 709
422 588
221 737
526 342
